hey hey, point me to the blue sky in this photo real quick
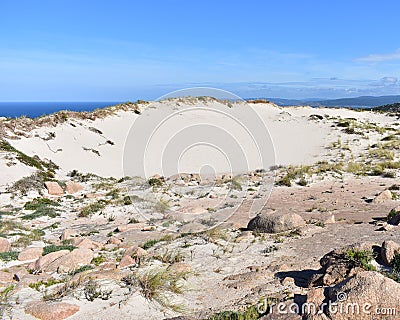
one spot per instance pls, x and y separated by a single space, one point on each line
120 50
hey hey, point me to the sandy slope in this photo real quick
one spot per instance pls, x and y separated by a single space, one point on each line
169 137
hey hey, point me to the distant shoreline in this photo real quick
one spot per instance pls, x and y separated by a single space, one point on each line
37 109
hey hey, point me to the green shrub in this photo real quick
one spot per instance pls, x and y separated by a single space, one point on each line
49 283
396 263
361 257
53 248
42 207
8 256
39 203
302 182
81 269
392 214
251 313
93 291
93 208
98 260
152 242
154 182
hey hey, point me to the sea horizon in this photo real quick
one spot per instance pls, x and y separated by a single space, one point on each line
36 109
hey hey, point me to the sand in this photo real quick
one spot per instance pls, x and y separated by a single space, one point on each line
170 137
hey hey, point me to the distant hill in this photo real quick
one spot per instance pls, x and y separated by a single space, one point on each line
364 101
391 108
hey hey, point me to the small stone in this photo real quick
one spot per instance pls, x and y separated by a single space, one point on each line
287 281
136 252
126 261
330 220
86 243
383 196
389 250
6 277
114 240
54 188
131 226
73 187
51 311
4 245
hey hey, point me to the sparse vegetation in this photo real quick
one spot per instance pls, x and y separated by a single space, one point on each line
155 182
54 248
392 214
153 242
251 313
42 207
92 208
93 291
8 256
362 257
158 283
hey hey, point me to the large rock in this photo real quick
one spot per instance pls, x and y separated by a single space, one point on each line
86 243
395 220
43 262
54 188
383 196
30 254
275 222
73 187
335 266
6 277
51 311
71 261
368 290
4 245
389 250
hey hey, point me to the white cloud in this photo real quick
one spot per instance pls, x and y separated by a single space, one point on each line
381 57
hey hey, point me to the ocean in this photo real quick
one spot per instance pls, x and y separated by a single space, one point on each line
37 109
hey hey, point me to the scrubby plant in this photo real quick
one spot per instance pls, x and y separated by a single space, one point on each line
8 256
92 291
53 248
45 284
33 182
98 260
392 214
42 207
92 208
155 182
361 257
158 283
81 269
162 205
396 263
170 257
251 313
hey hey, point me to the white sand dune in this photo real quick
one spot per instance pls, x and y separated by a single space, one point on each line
171 137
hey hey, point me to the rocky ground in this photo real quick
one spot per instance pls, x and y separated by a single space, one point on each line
80 246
